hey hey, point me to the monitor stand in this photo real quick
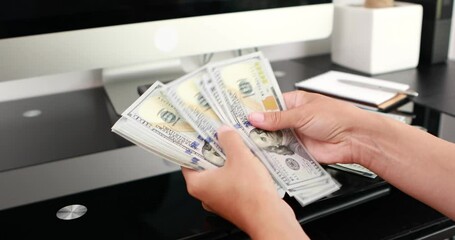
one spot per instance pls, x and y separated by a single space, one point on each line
121 83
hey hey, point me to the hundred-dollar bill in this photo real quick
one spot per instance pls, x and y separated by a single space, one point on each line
209 91
312 187
162 122
186 97
311 195
247 85
133 132
355 168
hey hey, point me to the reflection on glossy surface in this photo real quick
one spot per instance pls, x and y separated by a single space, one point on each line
153 208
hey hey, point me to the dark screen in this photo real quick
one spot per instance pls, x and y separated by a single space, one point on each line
29 17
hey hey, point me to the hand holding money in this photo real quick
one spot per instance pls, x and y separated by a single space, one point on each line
242 191
326 133
179 122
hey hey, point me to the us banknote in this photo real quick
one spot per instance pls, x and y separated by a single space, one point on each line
186 97
248 85
355 168
161 122
208 89
134 133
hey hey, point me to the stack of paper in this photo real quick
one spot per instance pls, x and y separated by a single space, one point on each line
333 83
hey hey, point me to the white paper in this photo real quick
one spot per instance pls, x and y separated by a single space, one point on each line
328 83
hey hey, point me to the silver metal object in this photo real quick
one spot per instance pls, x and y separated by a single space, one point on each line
377 87
71 212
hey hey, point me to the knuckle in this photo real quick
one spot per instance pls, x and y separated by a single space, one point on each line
274 119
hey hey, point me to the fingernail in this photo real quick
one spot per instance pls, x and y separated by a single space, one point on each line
257 117
224 128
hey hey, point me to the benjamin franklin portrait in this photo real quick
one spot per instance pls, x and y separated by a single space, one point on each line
211 155
270 141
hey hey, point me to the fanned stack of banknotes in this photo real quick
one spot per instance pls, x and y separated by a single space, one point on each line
179 121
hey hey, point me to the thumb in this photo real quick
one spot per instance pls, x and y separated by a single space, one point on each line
273 121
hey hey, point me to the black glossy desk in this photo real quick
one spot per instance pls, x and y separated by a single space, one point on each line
435 85
160 208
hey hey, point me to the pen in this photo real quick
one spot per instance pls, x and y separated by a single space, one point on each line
377 87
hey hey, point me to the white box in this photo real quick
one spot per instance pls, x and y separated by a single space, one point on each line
377 40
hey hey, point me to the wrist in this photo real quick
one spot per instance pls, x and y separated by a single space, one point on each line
274 220
379 144
367 139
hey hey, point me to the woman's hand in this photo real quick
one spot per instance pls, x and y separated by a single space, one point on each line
243 192
337 132
333 131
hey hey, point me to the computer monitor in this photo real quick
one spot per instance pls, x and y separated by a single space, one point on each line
128 39
43 37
